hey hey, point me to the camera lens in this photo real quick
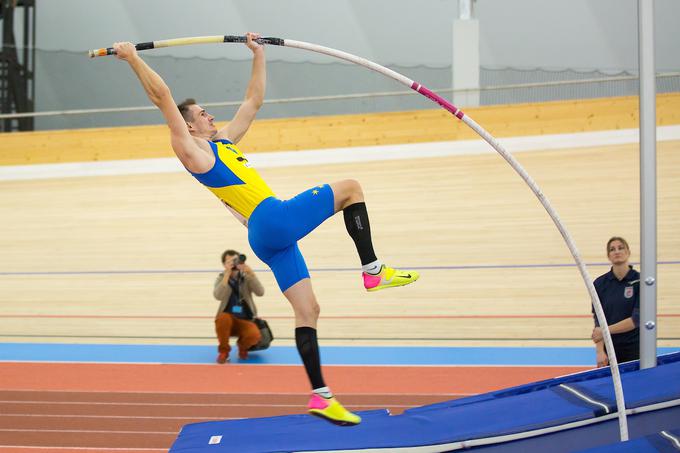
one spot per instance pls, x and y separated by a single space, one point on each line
242 258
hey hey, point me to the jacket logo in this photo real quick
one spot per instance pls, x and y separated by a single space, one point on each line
628 292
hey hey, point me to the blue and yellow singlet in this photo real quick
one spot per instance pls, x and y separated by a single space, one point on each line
232 179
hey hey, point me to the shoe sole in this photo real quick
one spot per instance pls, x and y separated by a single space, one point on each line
392 285
332 420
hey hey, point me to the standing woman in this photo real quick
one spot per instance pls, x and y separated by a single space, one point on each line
619 293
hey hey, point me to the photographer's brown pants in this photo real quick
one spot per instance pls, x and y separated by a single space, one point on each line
227 325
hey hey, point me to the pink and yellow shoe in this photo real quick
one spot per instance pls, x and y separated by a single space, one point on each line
388 278
331 410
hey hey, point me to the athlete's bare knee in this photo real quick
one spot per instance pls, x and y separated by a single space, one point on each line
307 314
355 188
347 192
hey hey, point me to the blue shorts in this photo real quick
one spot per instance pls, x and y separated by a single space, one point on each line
275 227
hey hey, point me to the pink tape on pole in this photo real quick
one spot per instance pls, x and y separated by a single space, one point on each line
438 99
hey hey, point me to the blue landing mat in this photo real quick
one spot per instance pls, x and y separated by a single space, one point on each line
524 412
667 441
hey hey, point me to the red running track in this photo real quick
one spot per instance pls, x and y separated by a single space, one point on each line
83 407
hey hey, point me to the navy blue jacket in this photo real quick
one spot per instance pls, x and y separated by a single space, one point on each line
620 300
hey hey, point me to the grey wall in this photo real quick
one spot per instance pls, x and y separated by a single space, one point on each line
411 37
576 34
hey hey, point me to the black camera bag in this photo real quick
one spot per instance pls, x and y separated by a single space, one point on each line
265 333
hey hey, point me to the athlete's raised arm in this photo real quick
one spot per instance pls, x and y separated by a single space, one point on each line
236 129
187 149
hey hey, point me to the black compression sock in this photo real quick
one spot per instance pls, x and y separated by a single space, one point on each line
308 348
356 222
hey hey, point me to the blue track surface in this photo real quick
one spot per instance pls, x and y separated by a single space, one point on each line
287 355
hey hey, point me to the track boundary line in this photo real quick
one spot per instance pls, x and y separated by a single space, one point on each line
327 269
98 431
205 405
33 447
181 317
135 392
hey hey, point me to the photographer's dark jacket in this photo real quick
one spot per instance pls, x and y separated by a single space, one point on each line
248 286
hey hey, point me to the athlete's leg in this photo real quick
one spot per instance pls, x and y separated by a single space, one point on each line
306 308
349 197
292 276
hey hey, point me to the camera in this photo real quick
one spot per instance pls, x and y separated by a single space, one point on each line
240 259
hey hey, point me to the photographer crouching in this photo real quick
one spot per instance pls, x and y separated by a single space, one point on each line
234 288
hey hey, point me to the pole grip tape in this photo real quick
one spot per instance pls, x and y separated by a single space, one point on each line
109 50
268 40
144 45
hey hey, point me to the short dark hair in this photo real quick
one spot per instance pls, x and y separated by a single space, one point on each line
184 109
227 253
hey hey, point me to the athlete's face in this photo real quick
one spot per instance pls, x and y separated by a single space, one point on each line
618 252
202 122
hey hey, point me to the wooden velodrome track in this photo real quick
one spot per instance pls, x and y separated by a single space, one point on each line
127 259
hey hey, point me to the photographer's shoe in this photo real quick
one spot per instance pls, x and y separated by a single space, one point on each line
332 410
388 278
243 354
223 357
